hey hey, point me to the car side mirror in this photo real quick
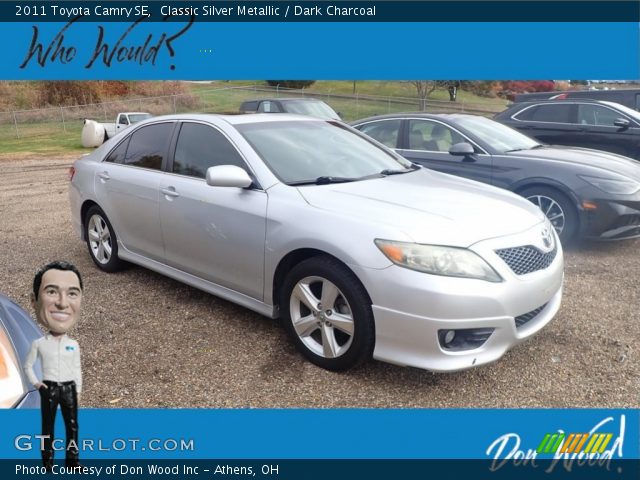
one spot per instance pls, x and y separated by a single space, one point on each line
621 122
462 149
228 176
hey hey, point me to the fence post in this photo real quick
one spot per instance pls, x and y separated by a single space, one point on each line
64 127
174 104
104 112
15 123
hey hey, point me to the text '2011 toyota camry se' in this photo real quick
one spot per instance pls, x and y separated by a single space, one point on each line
360 252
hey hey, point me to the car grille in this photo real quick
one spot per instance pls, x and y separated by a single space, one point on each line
523 260
527 317
627 221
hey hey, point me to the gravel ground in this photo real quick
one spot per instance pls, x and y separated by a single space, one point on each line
149 341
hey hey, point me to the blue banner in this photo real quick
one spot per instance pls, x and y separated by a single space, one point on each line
193 50
323 434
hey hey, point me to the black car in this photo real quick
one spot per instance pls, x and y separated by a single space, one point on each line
301 105
17 332
583 192
629 97
582 123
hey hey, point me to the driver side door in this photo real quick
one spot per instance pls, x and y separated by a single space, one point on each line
427 142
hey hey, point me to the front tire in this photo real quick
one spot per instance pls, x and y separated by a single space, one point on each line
327 313
558 209
101 240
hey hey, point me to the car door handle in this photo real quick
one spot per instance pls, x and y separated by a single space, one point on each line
170 192
104 176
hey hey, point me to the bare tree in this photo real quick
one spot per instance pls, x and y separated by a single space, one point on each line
424 89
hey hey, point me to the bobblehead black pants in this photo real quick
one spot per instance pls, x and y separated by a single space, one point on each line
63 394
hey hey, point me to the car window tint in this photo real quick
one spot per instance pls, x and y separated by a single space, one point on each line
123 120
148 146
638 101
200 147
589 114
432 136
558 113
386 132
526 114
117 154
268 107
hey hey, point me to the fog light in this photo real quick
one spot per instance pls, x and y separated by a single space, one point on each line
464 338
449 336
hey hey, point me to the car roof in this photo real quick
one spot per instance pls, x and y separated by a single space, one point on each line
434 116
286 99
564 100
236 119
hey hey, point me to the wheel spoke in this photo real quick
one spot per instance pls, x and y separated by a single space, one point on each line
304 294
329 344
559 215
551 205
342 322
100 252
107 249
305 326
94 236
329 294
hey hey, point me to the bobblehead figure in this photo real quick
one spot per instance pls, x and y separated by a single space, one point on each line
56 299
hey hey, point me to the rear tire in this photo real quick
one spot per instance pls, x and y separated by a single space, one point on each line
558 209
327 313
102 241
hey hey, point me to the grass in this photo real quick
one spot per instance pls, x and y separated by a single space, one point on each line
50 138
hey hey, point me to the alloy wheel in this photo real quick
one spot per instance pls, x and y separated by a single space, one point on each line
551 209
99 239
321 317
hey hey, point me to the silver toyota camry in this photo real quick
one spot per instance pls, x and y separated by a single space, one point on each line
360 252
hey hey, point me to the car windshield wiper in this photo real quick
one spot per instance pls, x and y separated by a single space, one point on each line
539 145
389 171
324 180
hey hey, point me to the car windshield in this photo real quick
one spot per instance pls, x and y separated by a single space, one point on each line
138 117
311 108
626 110
304 151
499 137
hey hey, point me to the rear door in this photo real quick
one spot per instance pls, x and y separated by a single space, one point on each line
552 123
127 187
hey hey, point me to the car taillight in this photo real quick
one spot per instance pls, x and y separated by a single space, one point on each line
72 172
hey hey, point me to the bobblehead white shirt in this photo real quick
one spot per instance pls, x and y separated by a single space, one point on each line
57 309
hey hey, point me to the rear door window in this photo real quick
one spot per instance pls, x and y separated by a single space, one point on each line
554 113
148 146
384 131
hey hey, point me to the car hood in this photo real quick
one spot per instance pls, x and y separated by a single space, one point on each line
429 207
585 156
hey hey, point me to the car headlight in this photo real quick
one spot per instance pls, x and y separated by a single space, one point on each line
438 260
621 185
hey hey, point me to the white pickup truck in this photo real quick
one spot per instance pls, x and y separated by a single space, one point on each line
95 134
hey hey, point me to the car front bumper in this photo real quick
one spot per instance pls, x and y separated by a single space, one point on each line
411 307
612 219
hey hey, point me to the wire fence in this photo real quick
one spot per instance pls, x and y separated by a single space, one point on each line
24 124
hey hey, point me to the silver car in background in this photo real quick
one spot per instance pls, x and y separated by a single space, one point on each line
360 252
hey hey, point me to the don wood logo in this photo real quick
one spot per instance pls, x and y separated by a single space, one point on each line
596 447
